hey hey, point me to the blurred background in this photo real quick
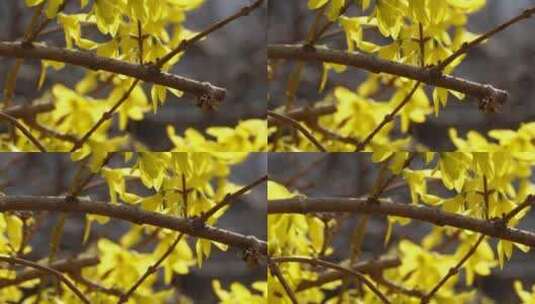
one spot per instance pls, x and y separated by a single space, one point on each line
233 57
353 175
52 173
506 62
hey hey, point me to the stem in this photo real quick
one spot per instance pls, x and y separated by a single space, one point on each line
152 269
106 116
417 212
133 215
372 266
244 11
18 125
299 127
453 271
376 65
59 275
94 62
388 118
275 270
27 111
527 203
526 14
315 262
68 265
306 113
229 198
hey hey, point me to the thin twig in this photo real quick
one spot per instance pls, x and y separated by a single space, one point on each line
306 113
399 288
23 129
295 75
318 35
46 131
526 14
140 42
316 262
231 197
152 269
11 79
453 271
530 200
93 285
244 11
372 266
67 266
421 42
380 189
275 270
332 135
299 127
27 110
59 275
388 118
105 116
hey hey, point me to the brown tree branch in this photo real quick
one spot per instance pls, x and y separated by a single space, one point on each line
95 286
332 135
152 269
134 215
453 271
388 118
67 266
229 198
22 128
275 270
28 111
384 207
530 200
372 266
296 125
306 113
184 44
319 34
59 275
526 14
376 65
11 79
46 131
105 117
316 262
399 288
92 61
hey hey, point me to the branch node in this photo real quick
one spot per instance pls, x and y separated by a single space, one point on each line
71 199
435 72
211 98
197 223
153 68
309 47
